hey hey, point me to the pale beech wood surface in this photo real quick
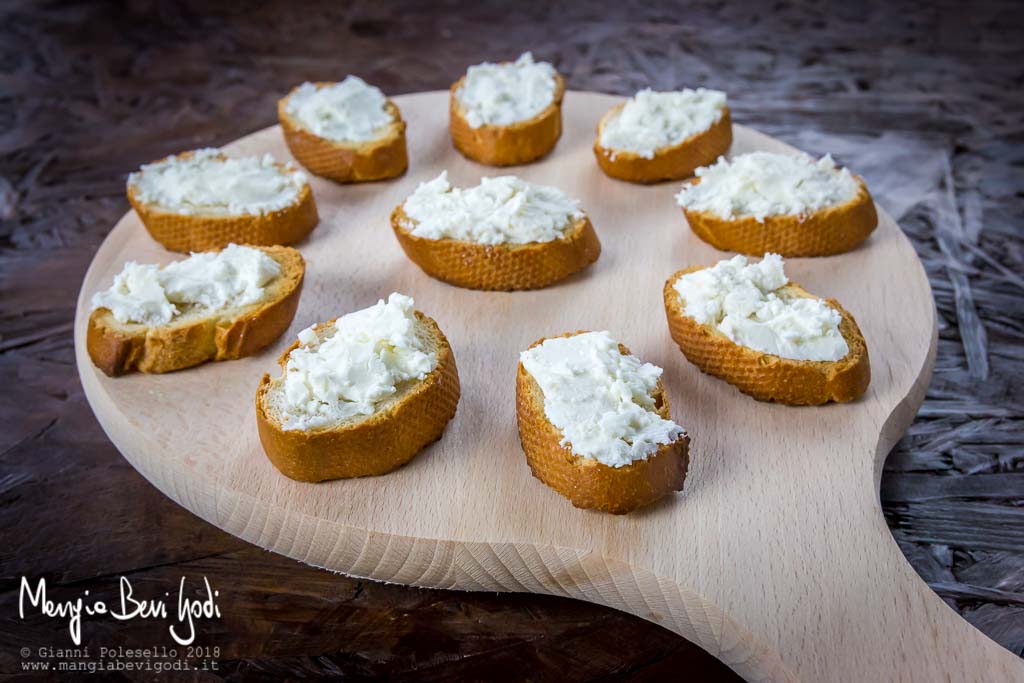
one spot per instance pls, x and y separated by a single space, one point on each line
775 558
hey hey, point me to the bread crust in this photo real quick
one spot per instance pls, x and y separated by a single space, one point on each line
768 377
376 445
194 232
517 143
346 162
829 231
118 349
499 267
674 162
587 483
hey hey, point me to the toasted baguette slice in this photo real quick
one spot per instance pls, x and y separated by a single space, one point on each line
674 162
764 376
501 267
832 230
199 336
347 162
204 232
517 143
587 483
412 418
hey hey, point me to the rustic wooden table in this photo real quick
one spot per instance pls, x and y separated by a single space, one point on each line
923 100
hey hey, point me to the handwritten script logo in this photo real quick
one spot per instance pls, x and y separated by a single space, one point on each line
128 607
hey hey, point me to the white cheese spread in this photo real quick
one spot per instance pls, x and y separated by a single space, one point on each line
745 303
502 210
651 120
501 94
211 184
354 365
600 399
349 111
147 294
762 184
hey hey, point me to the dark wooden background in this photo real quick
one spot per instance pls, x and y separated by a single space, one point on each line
923 98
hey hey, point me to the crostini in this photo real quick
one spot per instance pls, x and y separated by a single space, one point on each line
768 337
594 423
787 204
503 234
202 200
656 136
347 132
218 305
508 113
360 395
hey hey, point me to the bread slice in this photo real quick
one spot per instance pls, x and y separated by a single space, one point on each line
832 230
502 267
674 162
412 418
198 336
205 232
347 162
764 376
517 143
587 483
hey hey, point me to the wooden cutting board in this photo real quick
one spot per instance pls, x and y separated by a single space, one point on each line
775 558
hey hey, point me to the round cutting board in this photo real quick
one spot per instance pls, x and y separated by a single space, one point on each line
775 558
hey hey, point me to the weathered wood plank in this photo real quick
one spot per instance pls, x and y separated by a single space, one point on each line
89 91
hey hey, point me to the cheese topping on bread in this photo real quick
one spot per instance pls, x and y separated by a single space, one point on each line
349 111
502 210
147 294
762 184
501 94
749 305
600 399
208 183
347 369
651 120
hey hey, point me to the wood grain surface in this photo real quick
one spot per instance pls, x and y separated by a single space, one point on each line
780 514
922 98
